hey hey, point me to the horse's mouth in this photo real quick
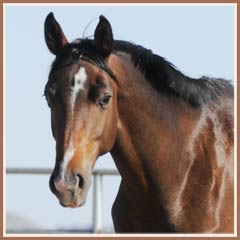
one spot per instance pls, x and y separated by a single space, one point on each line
71 202
71 198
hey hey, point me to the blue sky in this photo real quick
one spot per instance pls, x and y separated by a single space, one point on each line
199 40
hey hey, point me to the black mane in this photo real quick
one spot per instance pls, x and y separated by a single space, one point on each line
160 73
168 80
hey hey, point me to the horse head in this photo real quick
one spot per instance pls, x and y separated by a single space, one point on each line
81 94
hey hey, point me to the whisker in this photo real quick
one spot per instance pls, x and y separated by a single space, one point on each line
87 26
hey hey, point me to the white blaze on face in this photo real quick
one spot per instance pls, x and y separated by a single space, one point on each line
79 81
68 155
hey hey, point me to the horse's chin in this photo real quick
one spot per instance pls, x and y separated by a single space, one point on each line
73 202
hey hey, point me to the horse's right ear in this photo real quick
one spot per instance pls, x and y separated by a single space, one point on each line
54 36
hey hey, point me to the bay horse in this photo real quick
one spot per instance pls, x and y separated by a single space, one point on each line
170 135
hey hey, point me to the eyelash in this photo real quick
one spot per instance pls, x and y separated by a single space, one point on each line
103 101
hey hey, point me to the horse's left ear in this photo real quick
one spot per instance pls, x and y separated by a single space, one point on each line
103 37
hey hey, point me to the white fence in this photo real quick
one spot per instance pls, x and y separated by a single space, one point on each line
97 188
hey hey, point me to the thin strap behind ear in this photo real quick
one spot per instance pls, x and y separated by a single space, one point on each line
54 36
103 37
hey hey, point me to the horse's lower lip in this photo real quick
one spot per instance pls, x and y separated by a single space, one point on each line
74 204
69 205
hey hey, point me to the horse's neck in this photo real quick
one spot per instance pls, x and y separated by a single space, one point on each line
151 130
168 154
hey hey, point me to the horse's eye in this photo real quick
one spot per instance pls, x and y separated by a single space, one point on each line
104 100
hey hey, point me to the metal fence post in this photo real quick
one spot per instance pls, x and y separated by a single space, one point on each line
97 203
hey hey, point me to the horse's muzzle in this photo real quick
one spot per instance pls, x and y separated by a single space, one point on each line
70 191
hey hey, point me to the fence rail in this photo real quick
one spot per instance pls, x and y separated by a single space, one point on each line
97 188
43 171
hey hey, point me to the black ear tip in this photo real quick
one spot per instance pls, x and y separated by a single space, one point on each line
50 15
103 19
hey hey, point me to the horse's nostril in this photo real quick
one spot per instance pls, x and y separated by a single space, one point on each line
80 181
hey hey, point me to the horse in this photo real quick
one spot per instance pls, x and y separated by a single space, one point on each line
170 135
